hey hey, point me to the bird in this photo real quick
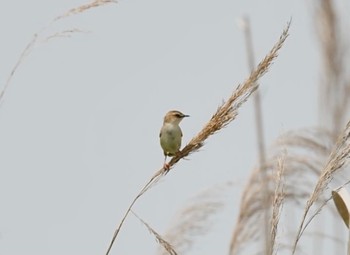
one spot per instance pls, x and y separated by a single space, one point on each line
171 135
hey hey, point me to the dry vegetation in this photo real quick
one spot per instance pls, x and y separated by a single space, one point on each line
295 174
226 113
41 36
298 169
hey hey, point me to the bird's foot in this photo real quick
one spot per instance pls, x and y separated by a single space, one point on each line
166 167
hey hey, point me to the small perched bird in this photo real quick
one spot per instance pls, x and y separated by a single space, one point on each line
171 134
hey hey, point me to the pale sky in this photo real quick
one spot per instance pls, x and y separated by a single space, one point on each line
80 120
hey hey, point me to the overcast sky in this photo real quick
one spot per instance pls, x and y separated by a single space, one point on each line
80 120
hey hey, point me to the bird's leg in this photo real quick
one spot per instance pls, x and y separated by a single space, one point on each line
166 165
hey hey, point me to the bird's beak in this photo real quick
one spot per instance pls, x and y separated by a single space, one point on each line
186 115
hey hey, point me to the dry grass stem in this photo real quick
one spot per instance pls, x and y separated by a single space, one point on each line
84 7
277 204
167 246
337 159
155 178
27 50
335 84
257 99
258 123
221 118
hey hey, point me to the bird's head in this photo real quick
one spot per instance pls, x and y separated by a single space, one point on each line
174 117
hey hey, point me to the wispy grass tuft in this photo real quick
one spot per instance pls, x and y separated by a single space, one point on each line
196 218
64 34
337 159
296 156
40 37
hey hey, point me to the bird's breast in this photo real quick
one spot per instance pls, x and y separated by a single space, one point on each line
170 138
172 131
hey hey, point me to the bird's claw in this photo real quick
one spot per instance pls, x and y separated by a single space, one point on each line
166 167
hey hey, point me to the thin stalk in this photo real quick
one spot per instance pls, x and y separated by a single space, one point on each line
259 133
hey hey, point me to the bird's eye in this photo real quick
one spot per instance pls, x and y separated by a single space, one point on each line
178 115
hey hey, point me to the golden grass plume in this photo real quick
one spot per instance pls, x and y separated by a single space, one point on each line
228 111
